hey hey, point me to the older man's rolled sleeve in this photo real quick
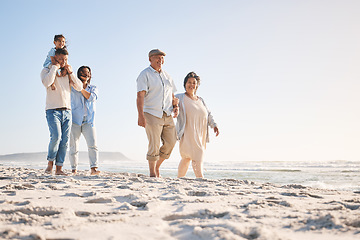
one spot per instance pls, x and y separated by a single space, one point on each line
142 83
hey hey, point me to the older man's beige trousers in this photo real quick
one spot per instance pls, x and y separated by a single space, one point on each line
160 129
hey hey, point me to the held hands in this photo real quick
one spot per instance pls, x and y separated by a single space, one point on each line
216 131
175 111
175 103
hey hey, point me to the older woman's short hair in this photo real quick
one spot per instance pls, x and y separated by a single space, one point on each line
192 75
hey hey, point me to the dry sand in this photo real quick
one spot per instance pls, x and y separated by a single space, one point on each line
34 205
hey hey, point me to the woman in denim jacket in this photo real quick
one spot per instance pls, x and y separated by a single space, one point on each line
192 127
83 113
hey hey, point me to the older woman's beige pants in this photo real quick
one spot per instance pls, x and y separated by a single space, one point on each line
160 129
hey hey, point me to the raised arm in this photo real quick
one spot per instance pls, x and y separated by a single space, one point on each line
74 81
92 95
48 76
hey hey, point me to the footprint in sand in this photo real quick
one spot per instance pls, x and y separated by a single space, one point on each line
139 204
42 212
101 200
10 193
202 214
82 214
22 203
86 194
197 193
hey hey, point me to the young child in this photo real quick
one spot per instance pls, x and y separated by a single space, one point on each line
59 42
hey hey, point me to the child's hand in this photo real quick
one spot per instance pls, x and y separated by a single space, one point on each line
63 72
53 87
216 131
68 69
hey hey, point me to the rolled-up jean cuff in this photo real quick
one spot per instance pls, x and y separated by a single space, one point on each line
54 161
152 158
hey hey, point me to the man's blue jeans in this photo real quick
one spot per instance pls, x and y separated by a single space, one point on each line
59 122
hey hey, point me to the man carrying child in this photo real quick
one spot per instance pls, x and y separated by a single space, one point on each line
58 107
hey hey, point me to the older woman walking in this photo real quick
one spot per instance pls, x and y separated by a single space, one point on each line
83 113
192 127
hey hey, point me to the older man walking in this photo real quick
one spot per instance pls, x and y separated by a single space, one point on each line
58 108
155 103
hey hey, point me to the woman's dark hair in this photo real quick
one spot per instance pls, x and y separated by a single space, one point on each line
79 72
192 75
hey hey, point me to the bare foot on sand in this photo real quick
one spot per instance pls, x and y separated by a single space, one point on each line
59 171
157 166
157 172
74 171
94 171
49 168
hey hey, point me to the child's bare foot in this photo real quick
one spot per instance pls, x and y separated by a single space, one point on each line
94 171
58 73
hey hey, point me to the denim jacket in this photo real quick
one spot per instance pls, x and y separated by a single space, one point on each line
47 62
181 119
78 102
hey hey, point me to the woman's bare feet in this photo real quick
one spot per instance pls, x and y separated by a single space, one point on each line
94 171
157 172
74 171
49 168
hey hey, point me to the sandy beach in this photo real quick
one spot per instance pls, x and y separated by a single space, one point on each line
34 205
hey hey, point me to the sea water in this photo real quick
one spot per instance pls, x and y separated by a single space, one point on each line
337 175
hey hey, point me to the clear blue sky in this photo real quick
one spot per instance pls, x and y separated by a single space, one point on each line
281 77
